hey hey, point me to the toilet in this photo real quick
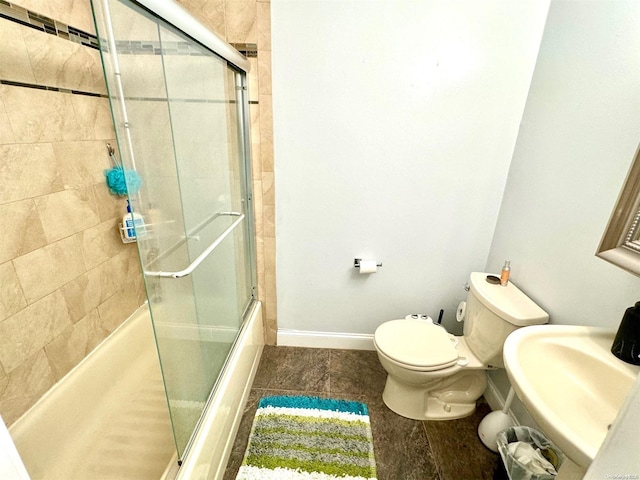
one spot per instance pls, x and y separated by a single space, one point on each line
433 375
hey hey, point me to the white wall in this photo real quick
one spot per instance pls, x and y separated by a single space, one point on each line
618 456
420 131
394 126
579 133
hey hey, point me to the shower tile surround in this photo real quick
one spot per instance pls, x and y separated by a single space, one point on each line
66 279
404 449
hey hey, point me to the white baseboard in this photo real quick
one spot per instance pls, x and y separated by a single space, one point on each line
361 341
493 397
309 339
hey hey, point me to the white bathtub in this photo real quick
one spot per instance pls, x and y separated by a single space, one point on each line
209 453
108 418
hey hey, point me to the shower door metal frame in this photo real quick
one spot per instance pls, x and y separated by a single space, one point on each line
171 12
178 18
174 14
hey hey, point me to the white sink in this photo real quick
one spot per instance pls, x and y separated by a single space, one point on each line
570 382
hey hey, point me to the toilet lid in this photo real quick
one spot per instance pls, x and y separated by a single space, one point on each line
416 343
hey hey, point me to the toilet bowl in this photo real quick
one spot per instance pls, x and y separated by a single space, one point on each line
433 375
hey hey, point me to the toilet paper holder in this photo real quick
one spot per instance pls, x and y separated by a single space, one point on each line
356 263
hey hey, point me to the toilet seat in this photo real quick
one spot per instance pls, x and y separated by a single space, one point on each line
417 344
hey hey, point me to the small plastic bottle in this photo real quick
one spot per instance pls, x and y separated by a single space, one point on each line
133 224
504 275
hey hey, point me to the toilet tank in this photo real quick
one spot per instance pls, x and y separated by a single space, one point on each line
494 311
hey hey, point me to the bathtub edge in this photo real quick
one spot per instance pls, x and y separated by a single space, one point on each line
208 456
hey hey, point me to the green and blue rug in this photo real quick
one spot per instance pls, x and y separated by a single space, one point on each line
309 438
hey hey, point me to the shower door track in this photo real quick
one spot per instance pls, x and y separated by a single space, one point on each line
182 20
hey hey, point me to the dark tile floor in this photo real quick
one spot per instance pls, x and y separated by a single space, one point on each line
405 449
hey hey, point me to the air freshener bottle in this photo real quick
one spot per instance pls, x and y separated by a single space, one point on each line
504 275
133 224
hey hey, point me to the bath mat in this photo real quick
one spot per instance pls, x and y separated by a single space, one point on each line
309 438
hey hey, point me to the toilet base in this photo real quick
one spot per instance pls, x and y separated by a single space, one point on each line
440 402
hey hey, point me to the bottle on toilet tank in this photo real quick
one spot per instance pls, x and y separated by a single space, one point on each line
504 275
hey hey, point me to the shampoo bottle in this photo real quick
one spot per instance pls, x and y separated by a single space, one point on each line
504 275
133 224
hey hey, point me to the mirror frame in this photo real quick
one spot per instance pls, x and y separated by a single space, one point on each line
620 243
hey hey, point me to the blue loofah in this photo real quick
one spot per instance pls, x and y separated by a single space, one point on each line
119 179
315 402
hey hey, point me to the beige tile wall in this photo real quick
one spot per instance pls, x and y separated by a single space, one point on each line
66 280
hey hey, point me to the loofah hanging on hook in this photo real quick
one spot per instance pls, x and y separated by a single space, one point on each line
120 181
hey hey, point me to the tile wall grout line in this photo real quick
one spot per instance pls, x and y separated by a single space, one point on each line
31 19
12 83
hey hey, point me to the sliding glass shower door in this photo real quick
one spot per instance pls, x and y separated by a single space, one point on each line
180 113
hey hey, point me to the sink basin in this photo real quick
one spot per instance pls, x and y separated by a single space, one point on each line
570 382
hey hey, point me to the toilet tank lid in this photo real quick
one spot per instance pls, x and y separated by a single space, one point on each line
508 302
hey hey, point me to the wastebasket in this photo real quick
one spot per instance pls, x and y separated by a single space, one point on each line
528 455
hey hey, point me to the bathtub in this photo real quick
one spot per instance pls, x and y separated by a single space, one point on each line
108 417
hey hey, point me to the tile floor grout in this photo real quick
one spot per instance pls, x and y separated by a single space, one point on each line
405 449
435 458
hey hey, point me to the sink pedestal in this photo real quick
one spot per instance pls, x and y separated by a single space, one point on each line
570 471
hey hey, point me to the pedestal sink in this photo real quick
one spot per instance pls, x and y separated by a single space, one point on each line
570 382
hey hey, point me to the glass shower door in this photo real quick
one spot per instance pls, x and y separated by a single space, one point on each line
181 124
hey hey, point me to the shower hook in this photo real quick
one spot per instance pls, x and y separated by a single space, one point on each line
112 155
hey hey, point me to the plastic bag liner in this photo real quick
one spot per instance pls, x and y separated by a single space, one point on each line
515 469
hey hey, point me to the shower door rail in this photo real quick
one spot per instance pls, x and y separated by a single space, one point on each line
180 18
193 265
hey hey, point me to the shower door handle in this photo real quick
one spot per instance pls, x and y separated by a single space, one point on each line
200 258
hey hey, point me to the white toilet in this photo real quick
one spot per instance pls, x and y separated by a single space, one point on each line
433 375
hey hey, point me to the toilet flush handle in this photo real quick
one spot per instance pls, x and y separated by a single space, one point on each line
466 287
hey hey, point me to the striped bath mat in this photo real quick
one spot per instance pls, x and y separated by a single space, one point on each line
309 438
